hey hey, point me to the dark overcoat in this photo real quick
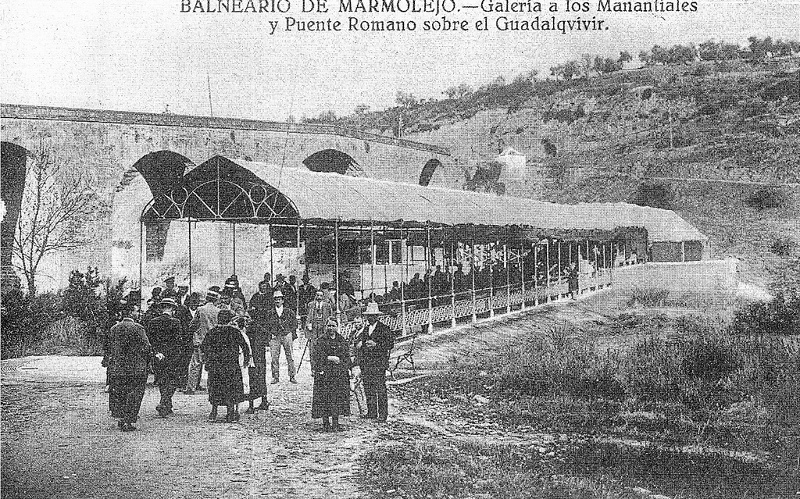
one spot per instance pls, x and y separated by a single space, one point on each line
221 352
129 350
166 336
374 360
331 380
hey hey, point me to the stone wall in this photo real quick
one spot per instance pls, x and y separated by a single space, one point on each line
693 282
107 145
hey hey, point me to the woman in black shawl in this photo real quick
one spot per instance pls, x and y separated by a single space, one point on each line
221 351
331 397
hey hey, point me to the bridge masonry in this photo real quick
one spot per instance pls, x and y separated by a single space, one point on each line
107 145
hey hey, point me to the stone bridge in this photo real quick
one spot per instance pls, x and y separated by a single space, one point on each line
127 155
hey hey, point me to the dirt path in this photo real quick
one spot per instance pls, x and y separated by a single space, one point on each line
59 441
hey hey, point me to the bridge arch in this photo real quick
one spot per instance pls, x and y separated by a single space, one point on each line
427 172
13 168
333 160
148 177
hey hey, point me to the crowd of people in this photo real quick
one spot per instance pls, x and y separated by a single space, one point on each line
178 336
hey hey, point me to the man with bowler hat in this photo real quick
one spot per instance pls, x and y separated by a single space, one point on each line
165 333
128 357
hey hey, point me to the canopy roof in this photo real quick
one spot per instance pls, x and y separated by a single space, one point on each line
309 195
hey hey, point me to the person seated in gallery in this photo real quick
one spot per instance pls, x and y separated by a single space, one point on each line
395 294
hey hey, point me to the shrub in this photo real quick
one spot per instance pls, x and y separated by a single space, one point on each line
649 297
25 320
783 246
82 300
768 197
781 315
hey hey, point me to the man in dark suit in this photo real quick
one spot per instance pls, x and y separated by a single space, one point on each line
317 315
165 333
372 355
282 330
261 306
305 295
289 291
128 357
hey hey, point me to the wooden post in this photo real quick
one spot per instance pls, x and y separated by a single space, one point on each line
683 251
547 270
372 255
535 272
587 259
142 257
508 277
403 276
336 272
271 263
605 268
428 258
452 283
472 275
190 256
522 274
233 235
491 283
559 268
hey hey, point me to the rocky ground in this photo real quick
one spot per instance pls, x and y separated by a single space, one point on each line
59 441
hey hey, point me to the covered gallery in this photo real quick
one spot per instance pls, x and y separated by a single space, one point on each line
455 255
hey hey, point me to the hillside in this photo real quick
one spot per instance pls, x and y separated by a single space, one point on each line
648 135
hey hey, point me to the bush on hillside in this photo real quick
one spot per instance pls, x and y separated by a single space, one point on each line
783 246
655 195
768 197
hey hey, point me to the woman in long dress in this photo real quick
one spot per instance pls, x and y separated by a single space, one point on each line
331 396
221 348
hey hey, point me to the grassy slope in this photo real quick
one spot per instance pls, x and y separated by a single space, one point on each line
560 418
610 140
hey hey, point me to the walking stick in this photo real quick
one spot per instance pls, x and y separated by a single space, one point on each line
300 365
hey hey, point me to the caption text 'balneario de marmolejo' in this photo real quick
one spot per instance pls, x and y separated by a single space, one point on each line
562 16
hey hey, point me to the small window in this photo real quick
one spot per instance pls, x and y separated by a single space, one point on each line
396 251
381 253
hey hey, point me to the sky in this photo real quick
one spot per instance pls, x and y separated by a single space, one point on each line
142 55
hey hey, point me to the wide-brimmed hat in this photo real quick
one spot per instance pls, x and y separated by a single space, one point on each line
167 302
212 295
331 323
372 309
277 294
169 279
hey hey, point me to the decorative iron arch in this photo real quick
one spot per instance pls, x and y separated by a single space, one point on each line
221 190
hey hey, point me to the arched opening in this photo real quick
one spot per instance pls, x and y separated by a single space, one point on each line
12 176
427 172
163 171
331 160
220 218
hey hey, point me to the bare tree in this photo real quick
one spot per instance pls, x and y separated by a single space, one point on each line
55 200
